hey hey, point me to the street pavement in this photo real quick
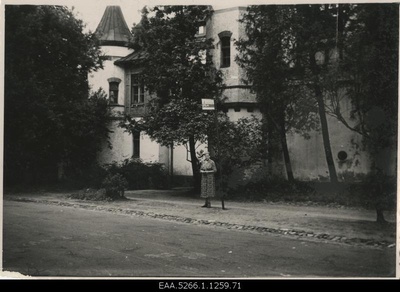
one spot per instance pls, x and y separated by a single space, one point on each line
52 240
333 224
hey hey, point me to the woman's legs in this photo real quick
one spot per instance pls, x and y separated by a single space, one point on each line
206 203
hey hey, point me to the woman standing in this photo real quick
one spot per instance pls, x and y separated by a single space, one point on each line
207 170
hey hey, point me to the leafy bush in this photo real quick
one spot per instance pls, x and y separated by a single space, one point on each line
274 189
89 177
140 175
376 191
115 185
379 190
91 195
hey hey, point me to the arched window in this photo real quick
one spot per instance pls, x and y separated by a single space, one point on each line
225 40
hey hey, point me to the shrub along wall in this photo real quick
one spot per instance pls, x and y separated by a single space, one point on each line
140 175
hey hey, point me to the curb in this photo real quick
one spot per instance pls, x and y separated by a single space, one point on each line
263 230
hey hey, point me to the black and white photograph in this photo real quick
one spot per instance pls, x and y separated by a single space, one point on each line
199 144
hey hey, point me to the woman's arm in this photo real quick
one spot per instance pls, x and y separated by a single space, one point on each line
214 166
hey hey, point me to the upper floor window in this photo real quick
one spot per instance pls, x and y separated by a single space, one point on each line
202 30
137 89
113 89
225 38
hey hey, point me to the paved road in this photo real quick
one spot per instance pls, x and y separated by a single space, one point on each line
48 240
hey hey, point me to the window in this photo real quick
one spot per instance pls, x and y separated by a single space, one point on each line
225 39
225 52
113 94
202 30
136 144
137 90
113 89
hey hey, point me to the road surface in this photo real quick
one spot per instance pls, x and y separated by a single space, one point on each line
50 240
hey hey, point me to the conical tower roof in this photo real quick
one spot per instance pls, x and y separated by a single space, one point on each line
112 29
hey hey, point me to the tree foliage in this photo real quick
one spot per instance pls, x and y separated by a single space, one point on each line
173 122
48 117
237 144
178 71
368 46
369 62
268 54
178 63
335 53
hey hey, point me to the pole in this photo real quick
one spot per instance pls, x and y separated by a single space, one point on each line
210 104
219 158
171 165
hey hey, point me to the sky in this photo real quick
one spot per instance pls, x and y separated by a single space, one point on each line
91 11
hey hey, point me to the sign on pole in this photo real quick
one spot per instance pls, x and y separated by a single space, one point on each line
207 104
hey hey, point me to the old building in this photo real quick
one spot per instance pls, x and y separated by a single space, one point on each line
121 80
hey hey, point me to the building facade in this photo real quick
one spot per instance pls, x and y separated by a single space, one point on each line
121 80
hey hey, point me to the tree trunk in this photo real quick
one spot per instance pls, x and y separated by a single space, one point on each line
380 218
269 140
324 123
285 150
379 194
325 135
195 165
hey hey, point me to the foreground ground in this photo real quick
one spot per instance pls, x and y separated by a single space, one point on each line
69 241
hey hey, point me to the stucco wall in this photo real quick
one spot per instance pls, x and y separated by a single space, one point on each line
308 156
243 113
121 145
149 150
226 20
238 95
99 79
180 164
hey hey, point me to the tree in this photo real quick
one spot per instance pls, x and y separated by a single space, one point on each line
315 34
236 145
369 54
368 63
268 57
49 120
178 71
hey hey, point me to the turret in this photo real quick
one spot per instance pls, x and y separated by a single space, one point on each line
114 36
112 29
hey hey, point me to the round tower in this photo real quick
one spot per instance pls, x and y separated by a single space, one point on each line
114 36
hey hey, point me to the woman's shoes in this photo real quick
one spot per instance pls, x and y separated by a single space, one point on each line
207 205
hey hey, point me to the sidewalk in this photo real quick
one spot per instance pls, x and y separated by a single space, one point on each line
327 224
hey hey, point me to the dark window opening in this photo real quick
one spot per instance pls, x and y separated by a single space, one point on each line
225 52
137 89
136 144
113 93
